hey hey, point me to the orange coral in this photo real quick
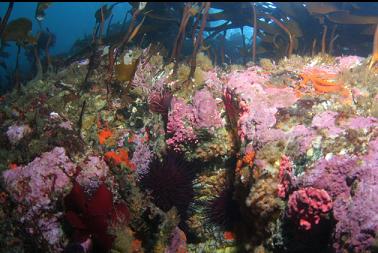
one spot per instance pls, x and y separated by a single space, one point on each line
249 158
103 135
228 235
136 246
12 166
120 158
132 138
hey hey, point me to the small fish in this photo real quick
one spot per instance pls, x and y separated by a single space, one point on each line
40 11
83 62
142 5
105 51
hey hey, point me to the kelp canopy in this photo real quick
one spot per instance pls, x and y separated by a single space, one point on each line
335 27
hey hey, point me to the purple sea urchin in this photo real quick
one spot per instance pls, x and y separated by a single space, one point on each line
223 209
170 183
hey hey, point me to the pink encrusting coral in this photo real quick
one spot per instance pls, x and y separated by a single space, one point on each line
331 175
357 213
205 110
36 187
303 136
308 205
359 122
257 104
181 120
348 62
327 120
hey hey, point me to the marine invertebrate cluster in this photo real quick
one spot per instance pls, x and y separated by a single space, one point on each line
262 199
331 175
278 150
350 182
103 135
177 242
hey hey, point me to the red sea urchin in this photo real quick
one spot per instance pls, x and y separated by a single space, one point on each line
160 102
170 183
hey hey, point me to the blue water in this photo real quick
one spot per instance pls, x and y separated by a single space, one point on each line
68 21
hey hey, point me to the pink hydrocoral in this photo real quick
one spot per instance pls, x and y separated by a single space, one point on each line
36 187
16 132
308 205
205 110
286 167
180 124
147 76
142 156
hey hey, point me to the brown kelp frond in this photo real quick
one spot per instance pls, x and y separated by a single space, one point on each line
198 40
255 28
280 24
374 57
6 17
325 28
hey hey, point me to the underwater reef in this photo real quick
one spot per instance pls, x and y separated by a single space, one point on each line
143 154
